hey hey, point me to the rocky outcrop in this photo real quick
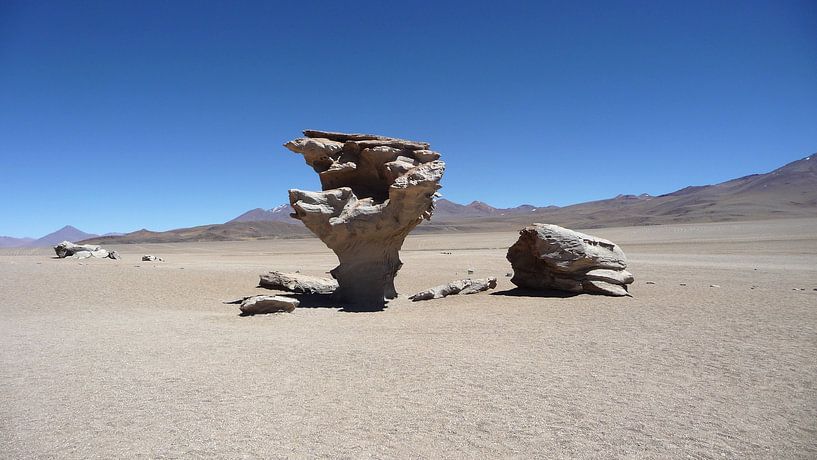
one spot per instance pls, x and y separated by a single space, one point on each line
295 282
551 257
82 251
467 286
260 304
375 191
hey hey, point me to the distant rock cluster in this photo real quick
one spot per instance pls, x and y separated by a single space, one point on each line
83 251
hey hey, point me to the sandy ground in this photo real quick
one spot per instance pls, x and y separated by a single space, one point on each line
102 358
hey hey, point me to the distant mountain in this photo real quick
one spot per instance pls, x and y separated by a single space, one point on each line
445 209
11 242
276 214
67 233
230 231
789 191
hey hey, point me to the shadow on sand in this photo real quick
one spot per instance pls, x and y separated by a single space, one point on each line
520 292
329 301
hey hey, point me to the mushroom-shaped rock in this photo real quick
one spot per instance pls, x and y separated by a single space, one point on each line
552 257
376 189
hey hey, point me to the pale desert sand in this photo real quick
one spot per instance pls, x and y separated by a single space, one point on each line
104 358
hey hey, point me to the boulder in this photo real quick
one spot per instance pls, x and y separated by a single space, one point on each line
552 257
375 190
467 286
295 282
80 251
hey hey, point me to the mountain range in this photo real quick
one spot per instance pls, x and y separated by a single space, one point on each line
787 192
67 233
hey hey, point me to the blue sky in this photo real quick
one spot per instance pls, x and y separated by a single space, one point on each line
120 115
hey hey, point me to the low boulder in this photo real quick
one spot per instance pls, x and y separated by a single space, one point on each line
552 257
295 282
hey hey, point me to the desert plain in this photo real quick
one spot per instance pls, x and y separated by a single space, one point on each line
107 358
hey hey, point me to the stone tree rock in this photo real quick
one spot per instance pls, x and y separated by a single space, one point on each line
375 191
551 257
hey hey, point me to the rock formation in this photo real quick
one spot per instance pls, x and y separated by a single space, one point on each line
552 257
260 304
467 286
375 191
295 282
82 251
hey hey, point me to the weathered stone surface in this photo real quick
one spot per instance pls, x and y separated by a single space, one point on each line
79 251
295 282
467 286
551 257
260 304
376 189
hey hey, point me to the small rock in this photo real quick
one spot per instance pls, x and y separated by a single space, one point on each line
114 255
470 271
683 284
714 286
151 258
650 282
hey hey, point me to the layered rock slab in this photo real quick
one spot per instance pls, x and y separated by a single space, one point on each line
551 257
376 189
464 287
298 283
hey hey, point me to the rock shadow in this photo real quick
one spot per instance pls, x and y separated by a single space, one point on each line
522 292
331 301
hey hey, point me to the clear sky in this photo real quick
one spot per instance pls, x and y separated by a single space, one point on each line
120 115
